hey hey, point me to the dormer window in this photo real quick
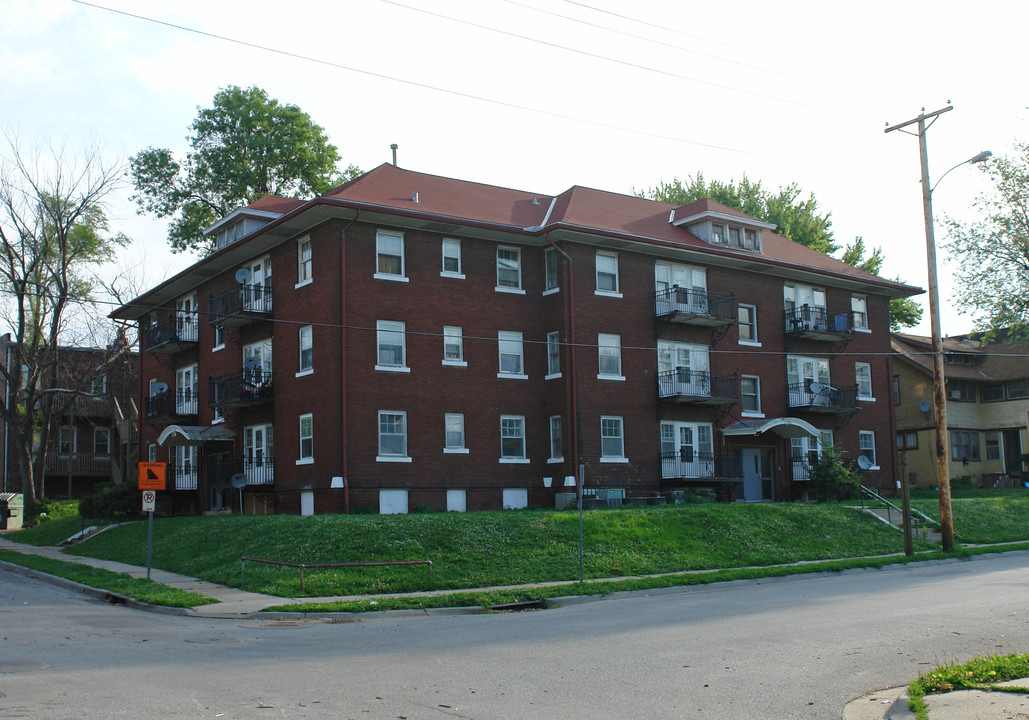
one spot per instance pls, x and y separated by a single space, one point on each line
717 224
230 234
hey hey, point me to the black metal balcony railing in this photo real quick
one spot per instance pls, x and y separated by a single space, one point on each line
183 477
169 406
689 465
801 470
249 387
817 323
257 468
241 305
77 463
172 333
700 387
821 397
95 406
695 307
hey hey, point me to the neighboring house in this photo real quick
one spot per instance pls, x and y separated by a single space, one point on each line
94 441
409 340
987 396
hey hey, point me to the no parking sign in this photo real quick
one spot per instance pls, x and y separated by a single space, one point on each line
149 501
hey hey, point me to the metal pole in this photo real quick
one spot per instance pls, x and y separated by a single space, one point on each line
582 475
905 504
149 542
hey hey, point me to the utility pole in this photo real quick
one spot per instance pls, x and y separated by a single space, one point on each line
939 398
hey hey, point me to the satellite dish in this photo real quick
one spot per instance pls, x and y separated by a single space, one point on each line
863 462
160 387
239 480
242 276
251 363
816 388
923 406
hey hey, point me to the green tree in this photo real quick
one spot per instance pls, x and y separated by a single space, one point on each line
244 147
991 254
830 478
904 312
53 236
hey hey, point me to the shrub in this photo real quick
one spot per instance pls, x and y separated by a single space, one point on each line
111 501
830 478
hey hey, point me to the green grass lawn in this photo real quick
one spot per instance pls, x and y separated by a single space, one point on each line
484 549
983 516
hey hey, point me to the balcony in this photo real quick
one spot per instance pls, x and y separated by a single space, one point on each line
696 468
800 470
258 469
172 334
78 463
694 387
182 477
695 307
241 305
242 389
169 407
809 322
819 397
85 406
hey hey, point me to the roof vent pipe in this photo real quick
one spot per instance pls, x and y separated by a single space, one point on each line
394 147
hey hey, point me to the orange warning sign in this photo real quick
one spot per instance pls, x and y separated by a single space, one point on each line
152 475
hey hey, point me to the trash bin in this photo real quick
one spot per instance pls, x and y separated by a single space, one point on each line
12 510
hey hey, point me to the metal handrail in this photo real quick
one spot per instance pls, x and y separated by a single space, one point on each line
872 494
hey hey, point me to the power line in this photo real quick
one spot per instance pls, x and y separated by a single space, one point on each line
414 83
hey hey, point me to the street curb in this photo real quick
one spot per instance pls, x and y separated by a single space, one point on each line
899 709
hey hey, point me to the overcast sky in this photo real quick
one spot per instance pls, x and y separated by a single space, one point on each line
541 95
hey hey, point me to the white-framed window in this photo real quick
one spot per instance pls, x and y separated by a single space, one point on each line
556 446
98 386
214 399
451 258
389 256
747 316
259 454
805 451
187 318
612 445
151 453
512 363
392 436
453 424
219 338
509 269
804 375
306 439
863 374
306 343
683 368
797 296
750 395
609 353
859 312
512 438
607 273
453 346
391 346
187 387
67 440
680 288
185 468
553 355
305 266
992 439
550 277
866 446
101 441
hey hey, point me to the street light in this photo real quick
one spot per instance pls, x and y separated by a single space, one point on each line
939 399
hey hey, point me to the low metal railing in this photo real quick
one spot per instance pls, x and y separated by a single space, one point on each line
684 384
243 300
687 464
172 330
695 303
822 397
242 388
813 319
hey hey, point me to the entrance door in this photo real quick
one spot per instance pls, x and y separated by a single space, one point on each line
752 475
1012 451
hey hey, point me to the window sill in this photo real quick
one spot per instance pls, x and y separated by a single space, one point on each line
749 343
553 376
551 291
620 378
391 368
392 458
614 460
305 373
394 278
514 461
303 283
218 421
455 363
305 461
216 348
449 274
863 330
455 451
751 414
510 291
862 398
555 461
512 376
607 293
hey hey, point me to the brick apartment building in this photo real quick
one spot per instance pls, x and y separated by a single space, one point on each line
408 341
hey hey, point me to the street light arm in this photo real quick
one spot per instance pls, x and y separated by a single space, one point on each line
971 161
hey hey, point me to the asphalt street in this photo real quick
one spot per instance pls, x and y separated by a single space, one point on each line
798 647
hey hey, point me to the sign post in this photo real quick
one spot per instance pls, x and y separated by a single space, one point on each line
151 479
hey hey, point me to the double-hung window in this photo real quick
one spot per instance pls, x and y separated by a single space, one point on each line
453 346
509 269
550 270
454 433
750 394
556 449
863 374
451 258
306 341
866 445
607 273
509 345
67 440
306 439
859 312
391 351
512 438
305 266
389 256
392 436
553 355
747 315
964 444
609 351
101 441
612 445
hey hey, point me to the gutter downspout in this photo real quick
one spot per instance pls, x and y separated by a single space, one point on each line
343 359
139 395
573 418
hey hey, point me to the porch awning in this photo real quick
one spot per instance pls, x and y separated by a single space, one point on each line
194 434
784 426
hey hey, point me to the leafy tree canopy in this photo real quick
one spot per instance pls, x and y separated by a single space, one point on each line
904 312
991 254
244 147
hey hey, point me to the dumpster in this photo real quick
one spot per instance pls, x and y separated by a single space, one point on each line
12 511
